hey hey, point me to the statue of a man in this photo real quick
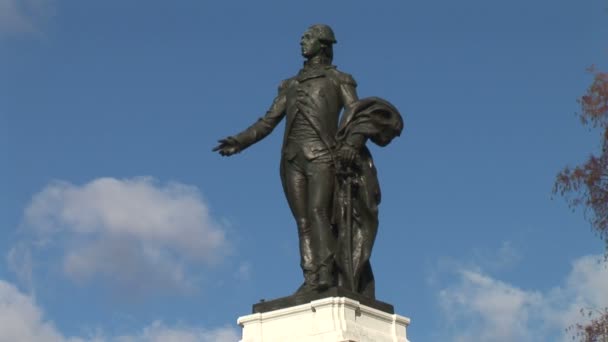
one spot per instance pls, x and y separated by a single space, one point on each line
314 151
311 101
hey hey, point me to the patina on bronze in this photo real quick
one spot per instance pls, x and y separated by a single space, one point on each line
327 172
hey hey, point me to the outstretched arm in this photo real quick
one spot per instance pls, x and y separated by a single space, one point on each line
227 147
256 132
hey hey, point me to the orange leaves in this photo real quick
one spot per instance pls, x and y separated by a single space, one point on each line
587 184
594 104
596 330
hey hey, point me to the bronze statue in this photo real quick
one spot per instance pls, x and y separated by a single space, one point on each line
327 172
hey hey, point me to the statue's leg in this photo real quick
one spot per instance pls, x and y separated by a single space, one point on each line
295 188
321 179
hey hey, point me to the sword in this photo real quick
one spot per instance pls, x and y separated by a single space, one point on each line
347 227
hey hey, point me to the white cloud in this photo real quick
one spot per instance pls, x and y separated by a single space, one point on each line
158 332
480 308
23 16
491 310
134 232
496 258
21 320
585 288
19 260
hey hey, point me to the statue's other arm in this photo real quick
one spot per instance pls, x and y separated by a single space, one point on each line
257 131
354 142
348 90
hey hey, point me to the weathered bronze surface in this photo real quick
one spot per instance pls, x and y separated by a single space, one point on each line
289 301
327 172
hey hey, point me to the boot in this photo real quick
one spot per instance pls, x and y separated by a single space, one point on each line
325 278
310 283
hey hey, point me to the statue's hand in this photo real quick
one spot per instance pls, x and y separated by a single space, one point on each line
347 154
228 146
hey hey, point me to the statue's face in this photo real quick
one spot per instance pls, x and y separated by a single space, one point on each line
310 44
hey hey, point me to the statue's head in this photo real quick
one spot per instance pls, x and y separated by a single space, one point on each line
318 39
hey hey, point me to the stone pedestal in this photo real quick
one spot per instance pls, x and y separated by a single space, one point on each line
332 319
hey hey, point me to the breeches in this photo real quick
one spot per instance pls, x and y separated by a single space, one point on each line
309 187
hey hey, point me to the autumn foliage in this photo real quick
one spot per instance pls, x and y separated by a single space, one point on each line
594 331
586 185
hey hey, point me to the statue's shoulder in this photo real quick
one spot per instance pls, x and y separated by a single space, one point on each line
340 76
286 83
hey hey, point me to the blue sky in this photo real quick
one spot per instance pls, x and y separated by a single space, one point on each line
119 224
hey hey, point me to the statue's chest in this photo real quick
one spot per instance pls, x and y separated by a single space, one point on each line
317 88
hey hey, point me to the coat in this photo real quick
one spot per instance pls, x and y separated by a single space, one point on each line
319 93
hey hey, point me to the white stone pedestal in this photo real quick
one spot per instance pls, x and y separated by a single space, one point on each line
333 319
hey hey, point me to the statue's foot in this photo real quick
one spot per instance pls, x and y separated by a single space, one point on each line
317 281
306 289
322 286
310 283
325 279
312 288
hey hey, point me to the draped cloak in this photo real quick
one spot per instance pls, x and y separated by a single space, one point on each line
377 120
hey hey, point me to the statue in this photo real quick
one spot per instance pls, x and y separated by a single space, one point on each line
327 172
